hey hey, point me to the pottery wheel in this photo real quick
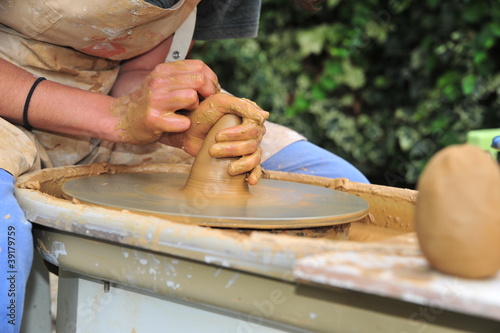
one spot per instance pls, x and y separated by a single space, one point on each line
209 196
272 204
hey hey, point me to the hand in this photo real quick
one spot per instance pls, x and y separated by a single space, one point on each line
16 255
150 111
243 140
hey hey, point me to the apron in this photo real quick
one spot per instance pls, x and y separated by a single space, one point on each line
81 44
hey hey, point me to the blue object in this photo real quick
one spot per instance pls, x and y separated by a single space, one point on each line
16 256
306 158
496 142
482 138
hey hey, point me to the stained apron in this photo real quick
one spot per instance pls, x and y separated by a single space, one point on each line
81 44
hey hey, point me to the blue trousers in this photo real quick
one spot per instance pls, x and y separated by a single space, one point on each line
306 158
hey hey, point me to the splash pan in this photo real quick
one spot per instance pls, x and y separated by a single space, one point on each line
270 204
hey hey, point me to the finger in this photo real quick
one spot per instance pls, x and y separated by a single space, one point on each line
172 139
244 131
172 123
164 102
196 82
252 112
224 103
214 107
192 74
254 176
197 66
233 148
245 163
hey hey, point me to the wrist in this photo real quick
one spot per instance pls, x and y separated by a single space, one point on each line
62 109
26 122
127 114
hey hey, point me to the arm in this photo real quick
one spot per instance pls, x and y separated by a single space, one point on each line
145 111
63 109
53 107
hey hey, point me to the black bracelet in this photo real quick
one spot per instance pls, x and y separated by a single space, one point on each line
26 124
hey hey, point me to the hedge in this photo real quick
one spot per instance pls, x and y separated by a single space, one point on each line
384 84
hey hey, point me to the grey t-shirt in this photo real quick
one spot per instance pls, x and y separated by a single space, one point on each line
222 19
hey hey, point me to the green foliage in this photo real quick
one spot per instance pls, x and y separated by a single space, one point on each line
384 84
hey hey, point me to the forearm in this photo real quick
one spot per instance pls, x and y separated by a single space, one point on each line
55 107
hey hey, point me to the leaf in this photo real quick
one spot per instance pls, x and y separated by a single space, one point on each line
333 68
354 77
332 3
448 78
339 52
495 28
317 93
407 137
328 83
381 82
439 124
433 3
480 57
311 41
468 84
398 6
451 92
475 12
300 104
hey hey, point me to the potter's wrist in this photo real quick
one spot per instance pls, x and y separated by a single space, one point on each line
99 123
111 122
129 116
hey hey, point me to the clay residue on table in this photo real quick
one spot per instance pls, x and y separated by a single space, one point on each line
334 232
363 232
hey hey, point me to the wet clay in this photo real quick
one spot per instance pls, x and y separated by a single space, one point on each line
208 173
457 216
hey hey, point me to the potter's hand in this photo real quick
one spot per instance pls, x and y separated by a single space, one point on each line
147 113
243 140
16 255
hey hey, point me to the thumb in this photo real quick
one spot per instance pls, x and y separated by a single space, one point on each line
174 123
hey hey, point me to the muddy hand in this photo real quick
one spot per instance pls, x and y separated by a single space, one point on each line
149 112
243 140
